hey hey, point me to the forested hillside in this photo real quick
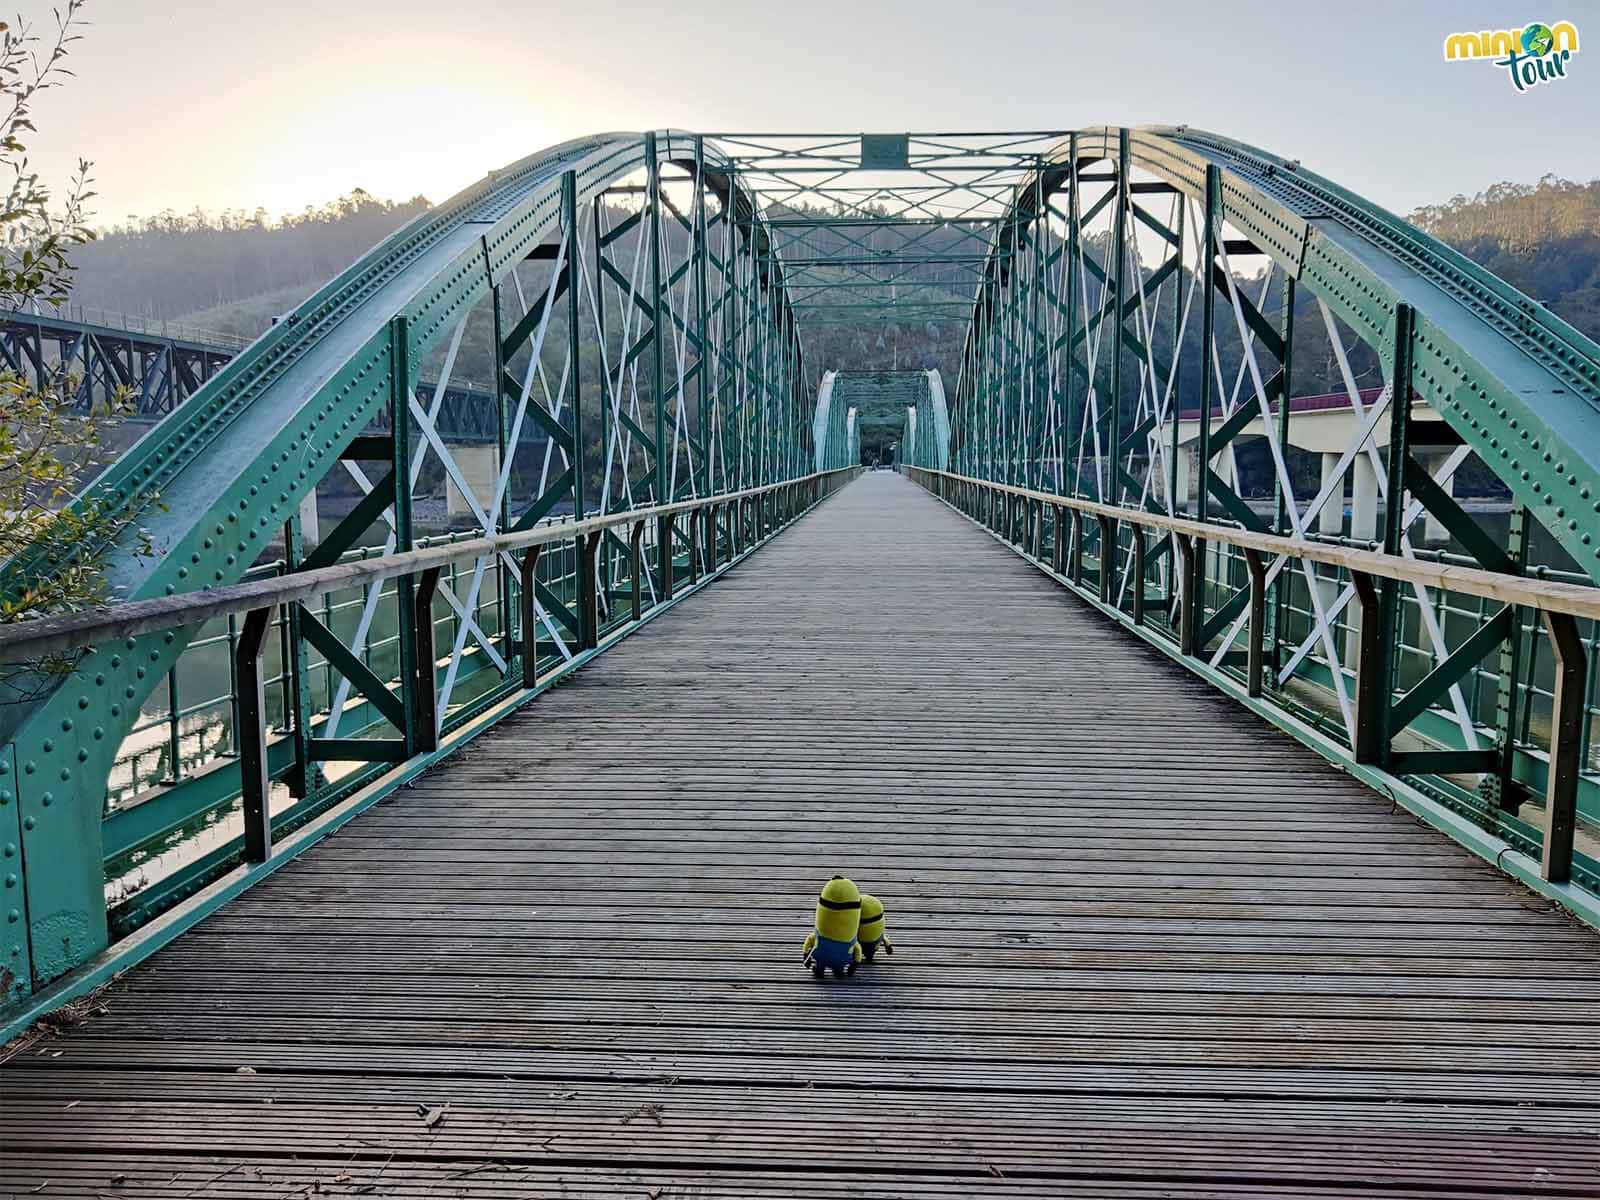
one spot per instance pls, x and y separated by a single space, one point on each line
231 271
1544 238
234 272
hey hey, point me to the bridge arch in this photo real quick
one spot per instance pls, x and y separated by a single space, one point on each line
709 392
1513 381
211 485
1131 255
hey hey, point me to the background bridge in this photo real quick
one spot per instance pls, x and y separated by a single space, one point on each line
153 367
1058 747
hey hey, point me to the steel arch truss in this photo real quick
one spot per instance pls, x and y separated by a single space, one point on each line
645 351
1134 342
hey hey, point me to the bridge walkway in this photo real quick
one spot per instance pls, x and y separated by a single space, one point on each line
1147 946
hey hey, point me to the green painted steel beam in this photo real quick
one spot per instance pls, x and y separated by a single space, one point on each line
214 482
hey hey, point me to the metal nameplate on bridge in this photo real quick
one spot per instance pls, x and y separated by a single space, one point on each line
885 151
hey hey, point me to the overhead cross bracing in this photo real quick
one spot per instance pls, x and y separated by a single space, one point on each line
878 228
881 401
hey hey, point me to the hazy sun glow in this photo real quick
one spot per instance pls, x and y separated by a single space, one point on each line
220 104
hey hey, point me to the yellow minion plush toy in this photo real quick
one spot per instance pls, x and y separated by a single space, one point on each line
872 934
832 944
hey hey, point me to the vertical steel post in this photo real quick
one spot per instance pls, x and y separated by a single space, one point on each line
588 546
174 739
424 686
1108 553
400 464
1058 550
1072 247
297 673
664 529
1119 242
634 539
694 522
569 221
233 682
1139 563
255 781
585 549
1371 675
1180 301
527 586
657 366
1032 401
1195 582
1567 721
1505 792
1388 632
1188 608
1258 619
1077 548
1275 620
702 315
598 292
502 512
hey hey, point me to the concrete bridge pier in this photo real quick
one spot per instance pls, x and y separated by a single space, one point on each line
480 466
310 531
1188 472
1363 527
1433 528
1331 519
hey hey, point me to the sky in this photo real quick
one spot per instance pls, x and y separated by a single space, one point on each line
220 104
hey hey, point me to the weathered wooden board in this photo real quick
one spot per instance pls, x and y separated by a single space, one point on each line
1148 947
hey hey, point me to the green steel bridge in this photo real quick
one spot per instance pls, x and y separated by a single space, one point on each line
1233 843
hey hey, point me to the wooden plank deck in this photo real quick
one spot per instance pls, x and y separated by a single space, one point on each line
1148 946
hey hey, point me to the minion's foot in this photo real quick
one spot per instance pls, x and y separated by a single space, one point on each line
851 969
819 971
841 972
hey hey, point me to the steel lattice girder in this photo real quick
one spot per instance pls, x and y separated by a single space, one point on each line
158 371
231 465
214 481
1518 384
1057 337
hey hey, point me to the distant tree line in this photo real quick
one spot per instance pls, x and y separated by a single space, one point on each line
1543 239
234 271
173 265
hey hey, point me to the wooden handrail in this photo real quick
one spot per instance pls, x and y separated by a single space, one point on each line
28 640
1375 721
1542 595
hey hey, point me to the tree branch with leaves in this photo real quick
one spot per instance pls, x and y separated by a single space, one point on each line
50 444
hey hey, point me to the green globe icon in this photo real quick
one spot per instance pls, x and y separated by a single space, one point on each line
1537 39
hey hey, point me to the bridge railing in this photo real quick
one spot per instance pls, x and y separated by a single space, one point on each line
1163 575
294 726
113 319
